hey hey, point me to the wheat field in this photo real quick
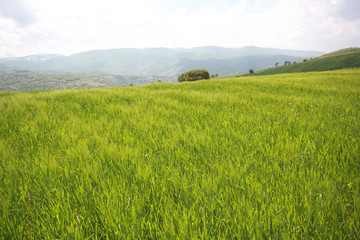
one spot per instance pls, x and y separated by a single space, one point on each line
267 157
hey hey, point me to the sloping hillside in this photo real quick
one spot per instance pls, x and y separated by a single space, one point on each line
346 58
341 52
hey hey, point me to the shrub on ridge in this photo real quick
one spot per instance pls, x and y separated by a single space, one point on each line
194 75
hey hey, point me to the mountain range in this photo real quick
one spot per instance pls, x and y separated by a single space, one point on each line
158 61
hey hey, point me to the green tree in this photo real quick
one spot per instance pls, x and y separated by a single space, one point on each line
194 75
251 71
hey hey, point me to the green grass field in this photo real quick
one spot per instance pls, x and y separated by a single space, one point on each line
267 157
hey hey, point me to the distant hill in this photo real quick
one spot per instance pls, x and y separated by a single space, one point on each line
23 80
159 61
345 58
237 65
3 67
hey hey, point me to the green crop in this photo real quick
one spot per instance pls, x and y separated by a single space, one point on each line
272 157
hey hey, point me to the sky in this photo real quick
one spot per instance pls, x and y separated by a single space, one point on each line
66 27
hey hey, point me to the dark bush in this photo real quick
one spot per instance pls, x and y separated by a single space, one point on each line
194 75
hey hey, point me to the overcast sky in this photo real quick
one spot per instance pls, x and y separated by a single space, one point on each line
70 26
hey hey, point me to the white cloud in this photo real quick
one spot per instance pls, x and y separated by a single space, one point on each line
69 26
17 10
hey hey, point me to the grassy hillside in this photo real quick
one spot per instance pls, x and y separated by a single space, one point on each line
248 158
346 58
341 52
22 80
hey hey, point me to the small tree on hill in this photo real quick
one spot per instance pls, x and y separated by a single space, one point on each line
251 71
194 75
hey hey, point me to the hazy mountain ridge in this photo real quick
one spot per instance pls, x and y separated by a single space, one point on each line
242 64
158 61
